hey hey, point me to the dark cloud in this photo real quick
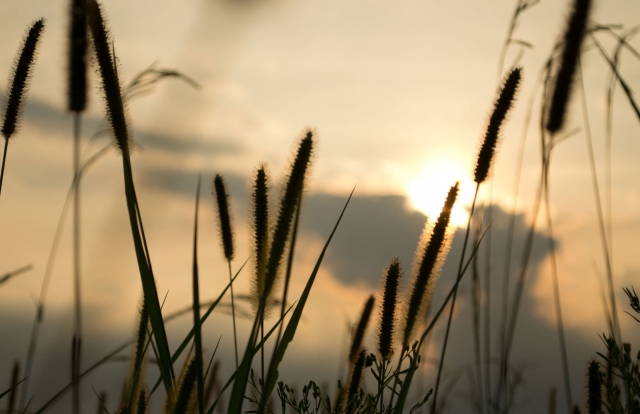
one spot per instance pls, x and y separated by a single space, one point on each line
50 118
373 231
377 228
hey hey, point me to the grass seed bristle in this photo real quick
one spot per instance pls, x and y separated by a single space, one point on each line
426 265
77 70
292 194
115 106
186 396
387 325
572 42
224 215
500 110
19 79
358 333
260 231
141 406
354 381
594 388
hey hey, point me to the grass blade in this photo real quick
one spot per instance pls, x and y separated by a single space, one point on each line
290 332
196 309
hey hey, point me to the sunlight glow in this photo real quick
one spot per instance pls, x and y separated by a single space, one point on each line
428 190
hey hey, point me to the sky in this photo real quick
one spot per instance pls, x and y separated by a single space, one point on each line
398 94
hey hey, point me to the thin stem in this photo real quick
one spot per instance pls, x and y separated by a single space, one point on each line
453 300
77 329
262 351
596 192
4 159
518 293
397 377
556 288
233 314
286 281
486 405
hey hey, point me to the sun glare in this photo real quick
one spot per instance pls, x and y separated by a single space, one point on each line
428 191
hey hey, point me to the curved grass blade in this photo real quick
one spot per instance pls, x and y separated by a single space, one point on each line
196 309
289 333
255 351
12 387
191 333
60 393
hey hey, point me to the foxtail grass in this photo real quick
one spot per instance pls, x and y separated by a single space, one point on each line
18 85
485 158
292 325
142 406
501 108
429 256
77 63
360 329
226 235
594 388
76 103
116 114
387 325
135 379
288 203
260 231
572 41
354 382
260 244
186 393
116 110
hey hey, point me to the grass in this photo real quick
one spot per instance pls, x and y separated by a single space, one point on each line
402 331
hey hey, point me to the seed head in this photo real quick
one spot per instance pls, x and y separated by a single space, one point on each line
77 70
19 79
426 266
387 325
358 333
568 64
111 89
292 195
594 388
501 108
224 216
260 230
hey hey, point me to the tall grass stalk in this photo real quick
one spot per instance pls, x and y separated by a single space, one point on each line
430 253
260 245
77 98
226 235
17 87
476 293
360 329
116 115
139 85
290 199
197 339
503 104
293 323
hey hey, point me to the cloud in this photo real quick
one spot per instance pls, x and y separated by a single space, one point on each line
47 117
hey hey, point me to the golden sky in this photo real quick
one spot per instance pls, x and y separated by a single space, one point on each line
399 94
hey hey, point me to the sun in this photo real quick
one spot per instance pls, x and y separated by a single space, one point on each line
428 191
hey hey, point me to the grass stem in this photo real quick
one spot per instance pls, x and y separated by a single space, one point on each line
453 300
